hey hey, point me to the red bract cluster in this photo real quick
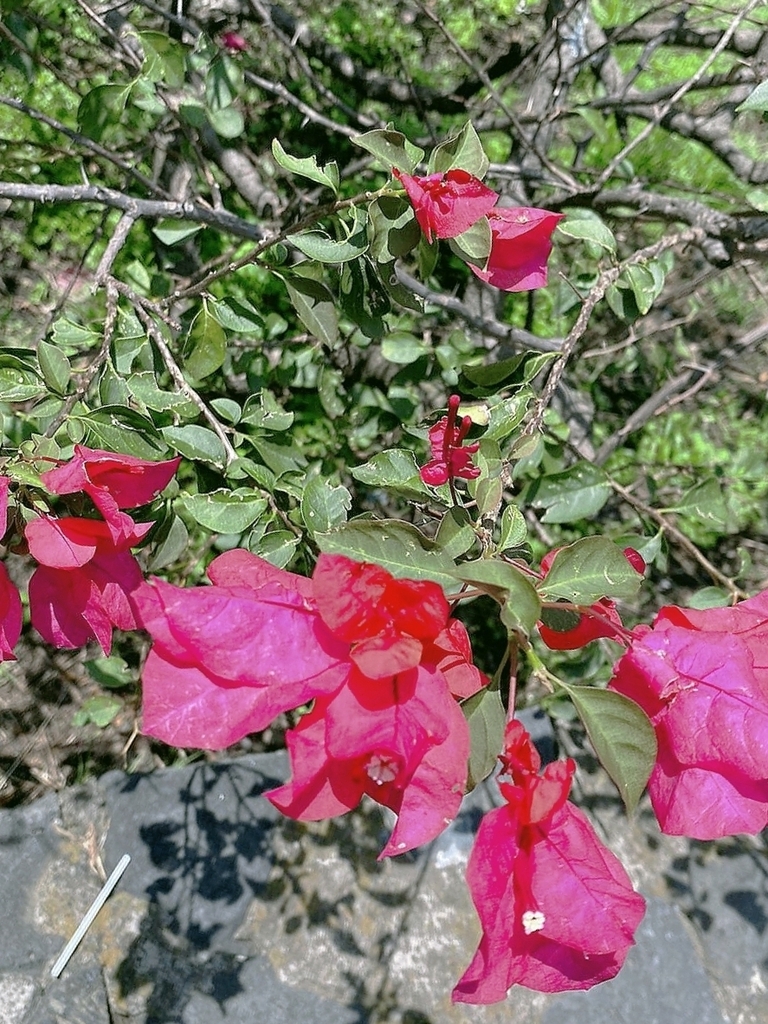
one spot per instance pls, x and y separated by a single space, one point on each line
601 620
451 458
379 657
557 909
86 576
446 205
521 241
702 679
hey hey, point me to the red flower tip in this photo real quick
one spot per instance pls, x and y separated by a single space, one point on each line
446 205
451 458
521 241
234 41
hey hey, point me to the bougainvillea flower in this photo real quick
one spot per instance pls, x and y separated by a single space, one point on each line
234 41
403 741
702 679
451 458
521 241
112 482
10 616
386 620
451 654
601 620
447 204
69 607
70 542
5 483
227 659
557 909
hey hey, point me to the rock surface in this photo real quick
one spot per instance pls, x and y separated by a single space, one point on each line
229 912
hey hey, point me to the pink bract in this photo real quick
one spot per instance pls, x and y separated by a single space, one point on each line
702 679
446 205
112 481
404 742
557 909
10 616
70 607
520 247
385 619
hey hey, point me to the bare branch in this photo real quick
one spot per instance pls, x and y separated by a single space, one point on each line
152 209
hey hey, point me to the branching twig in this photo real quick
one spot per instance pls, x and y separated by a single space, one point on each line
153 209
606 279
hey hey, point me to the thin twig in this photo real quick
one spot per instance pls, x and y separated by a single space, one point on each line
153 209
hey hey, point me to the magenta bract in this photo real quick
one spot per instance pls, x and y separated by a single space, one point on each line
702 679
557 909
446 205
520 247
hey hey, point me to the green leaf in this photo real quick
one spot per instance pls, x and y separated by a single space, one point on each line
508 586
112 672
223 83
757 99
586 226
506 374
577 493
194 442
227 409
206 345
622 736
590 569
455 534
224 511
396 470
277 547
99 710
397 546
19 385
704 501
487 720
403 348
391 148
263 410
473 245
464 150
54 367
144 388
227 122
324 506
101 107
164 59
307 167
514 531
171 232
118 429
392 228
171 541
318 245
644 285
70 336
237 315
314 306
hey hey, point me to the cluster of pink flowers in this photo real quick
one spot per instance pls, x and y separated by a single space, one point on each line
86 578
447 205
380 658
557 909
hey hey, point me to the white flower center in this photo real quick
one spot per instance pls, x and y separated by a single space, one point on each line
381 768
533 921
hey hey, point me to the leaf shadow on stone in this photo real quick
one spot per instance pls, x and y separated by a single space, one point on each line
231 887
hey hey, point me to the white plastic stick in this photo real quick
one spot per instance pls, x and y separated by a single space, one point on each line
90 914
